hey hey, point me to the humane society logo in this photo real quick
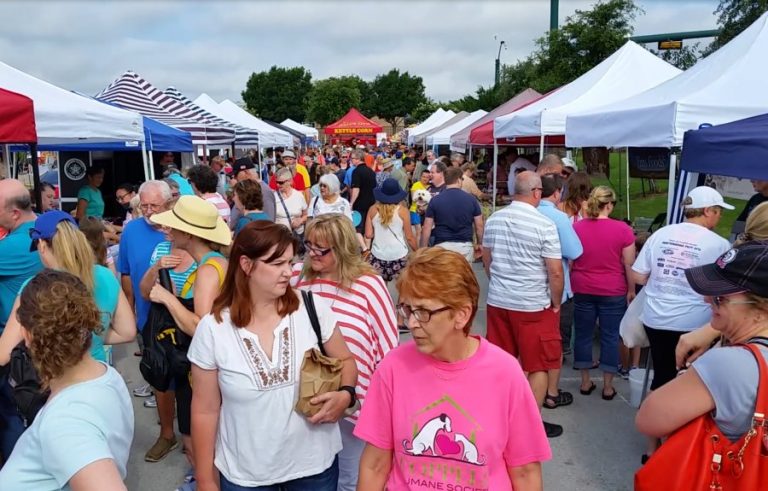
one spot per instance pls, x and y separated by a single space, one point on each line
442 452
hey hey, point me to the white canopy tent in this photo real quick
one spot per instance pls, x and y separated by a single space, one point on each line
630 70
308 131
434 120
443 136
269 136
728 85
65 117
422 138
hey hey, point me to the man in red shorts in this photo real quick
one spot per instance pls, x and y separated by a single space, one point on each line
522 258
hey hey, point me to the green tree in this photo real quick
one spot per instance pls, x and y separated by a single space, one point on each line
683 58
279 93
733 16
332 98
396 94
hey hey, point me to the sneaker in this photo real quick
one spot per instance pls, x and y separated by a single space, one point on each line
188 486
151 402
552 430
143 391
190 475
161 448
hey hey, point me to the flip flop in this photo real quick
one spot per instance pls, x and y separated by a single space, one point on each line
589 391
608 397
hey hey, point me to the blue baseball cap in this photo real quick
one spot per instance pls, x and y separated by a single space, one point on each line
45 226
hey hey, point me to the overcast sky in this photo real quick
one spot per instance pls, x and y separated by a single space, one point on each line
213 47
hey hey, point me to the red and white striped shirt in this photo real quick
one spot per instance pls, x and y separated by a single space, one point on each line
366 319
220 203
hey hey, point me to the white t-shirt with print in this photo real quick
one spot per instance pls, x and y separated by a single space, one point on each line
671 304
261 439
296 205
318 206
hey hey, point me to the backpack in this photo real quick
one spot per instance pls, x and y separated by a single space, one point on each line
155 366
25 384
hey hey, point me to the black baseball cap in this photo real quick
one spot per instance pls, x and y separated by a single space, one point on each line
742 269
241 165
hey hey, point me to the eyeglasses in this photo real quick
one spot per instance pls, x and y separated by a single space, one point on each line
421 315
175 195
316 250
283 182
721 299
150 206
121 197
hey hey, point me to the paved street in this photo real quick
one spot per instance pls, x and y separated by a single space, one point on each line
599 450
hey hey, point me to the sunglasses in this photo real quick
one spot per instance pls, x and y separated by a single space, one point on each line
722 299
283 182
316 250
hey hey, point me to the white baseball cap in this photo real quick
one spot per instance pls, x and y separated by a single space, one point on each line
704 197
570 164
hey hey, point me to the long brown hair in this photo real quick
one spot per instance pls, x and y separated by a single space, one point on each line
254 242
579 186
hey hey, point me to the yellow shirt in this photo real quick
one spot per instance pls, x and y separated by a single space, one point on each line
300 169
416 186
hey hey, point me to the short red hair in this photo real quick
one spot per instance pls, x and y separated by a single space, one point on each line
439 274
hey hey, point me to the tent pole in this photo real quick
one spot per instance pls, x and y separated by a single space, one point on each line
541 148
144 160
470 154
671 192
151 165
627 154
495 171
35 175
7 158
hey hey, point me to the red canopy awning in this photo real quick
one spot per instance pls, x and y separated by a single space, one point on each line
353 125
17 118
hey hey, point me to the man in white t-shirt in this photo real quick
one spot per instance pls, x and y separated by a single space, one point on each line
672 308
517 164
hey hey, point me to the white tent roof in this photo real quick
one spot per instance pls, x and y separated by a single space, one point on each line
629 71
443 137
62 116
308 131
434 120
728 85
269 136
422 138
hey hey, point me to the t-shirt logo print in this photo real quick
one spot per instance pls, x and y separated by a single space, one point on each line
436 438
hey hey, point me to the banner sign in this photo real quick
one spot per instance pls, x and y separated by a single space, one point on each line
731 187
353 131
649 162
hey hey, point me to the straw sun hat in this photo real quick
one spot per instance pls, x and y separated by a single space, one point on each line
195 216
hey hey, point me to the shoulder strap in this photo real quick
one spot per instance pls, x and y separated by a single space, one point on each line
207 259
314 207
309 303
285 208
761 401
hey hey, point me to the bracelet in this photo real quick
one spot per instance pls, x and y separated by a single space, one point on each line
351 391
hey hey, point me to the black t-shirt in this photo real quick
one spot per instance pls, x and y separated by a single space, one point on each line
364 178
751 205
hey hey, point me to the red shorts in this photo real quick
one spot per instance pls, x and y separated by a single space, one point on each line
532 337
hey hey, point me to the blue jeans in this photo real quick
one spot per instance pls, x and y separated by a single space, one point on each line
325 481
587 310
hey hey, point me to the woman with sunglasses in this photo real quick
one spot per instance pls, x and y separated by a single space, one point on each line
62 246
602 285
291 207
246 359
81 438
330 200
334 270
424 409
723 381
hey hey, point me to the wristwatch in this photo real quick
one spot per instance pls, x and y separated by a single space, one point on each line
351 391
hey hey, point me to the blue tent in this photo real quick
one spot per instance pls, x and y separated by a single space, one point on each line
737 149
159 137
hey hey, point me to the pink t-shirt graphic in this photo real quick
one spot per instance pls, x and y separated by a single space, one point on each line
452 426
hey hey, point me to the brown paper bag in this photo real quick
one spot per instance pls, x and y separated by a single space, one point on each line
319 374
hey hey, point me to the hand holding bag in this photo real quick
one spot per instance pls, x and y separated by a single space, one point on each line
319 372
698 457
631 328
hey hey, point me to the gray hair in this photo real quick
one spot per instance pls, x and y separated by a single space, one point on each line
358 154
160 186
172 184
439 167
525 182
331 182
283 172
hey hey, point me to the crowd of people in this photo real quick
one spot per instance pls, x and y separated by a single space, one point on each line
231 274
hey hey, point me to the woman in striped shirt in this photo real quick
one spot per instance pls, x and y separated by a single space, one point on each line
365 313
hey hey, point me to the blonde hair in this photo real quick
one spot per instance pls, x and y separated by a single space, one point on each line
599 199
756 227
73 253
386 212
336 230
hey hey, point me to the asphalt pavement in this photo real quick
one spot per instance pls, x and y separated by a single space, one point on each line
599 450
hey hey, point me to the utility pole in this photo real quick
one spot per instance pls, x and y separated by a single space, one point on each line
553 14
497 78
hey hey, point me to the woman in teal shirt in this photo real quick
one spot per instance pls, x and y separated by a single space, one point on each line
63 246
90 203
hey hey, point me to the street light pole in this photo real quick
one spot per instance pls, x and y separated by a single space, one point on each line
498 64
553 14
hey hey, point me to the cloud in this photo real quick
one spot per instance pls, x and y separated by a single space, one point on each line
213 47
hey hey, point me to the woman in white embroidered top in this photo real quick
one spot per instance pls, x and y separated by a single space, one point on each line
329 201
334 270
246 359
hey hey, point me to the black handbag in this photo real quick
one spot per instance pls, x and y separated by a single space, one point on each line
25 384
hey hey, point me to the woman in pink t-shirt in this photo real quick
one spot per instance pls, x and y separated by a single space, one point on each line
602 286
427 422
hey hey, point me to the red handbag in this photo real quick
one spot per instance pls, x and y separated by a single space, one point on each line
698 457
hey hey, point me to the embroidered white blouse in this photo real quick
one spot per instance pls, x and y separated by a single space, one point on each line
261 439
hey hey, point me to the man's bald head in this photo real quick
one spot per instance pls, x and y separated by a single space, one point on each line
526 183
14 194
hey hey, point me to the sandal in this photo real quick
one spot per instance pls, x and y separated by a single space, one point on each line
561 399
607 397
586 392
